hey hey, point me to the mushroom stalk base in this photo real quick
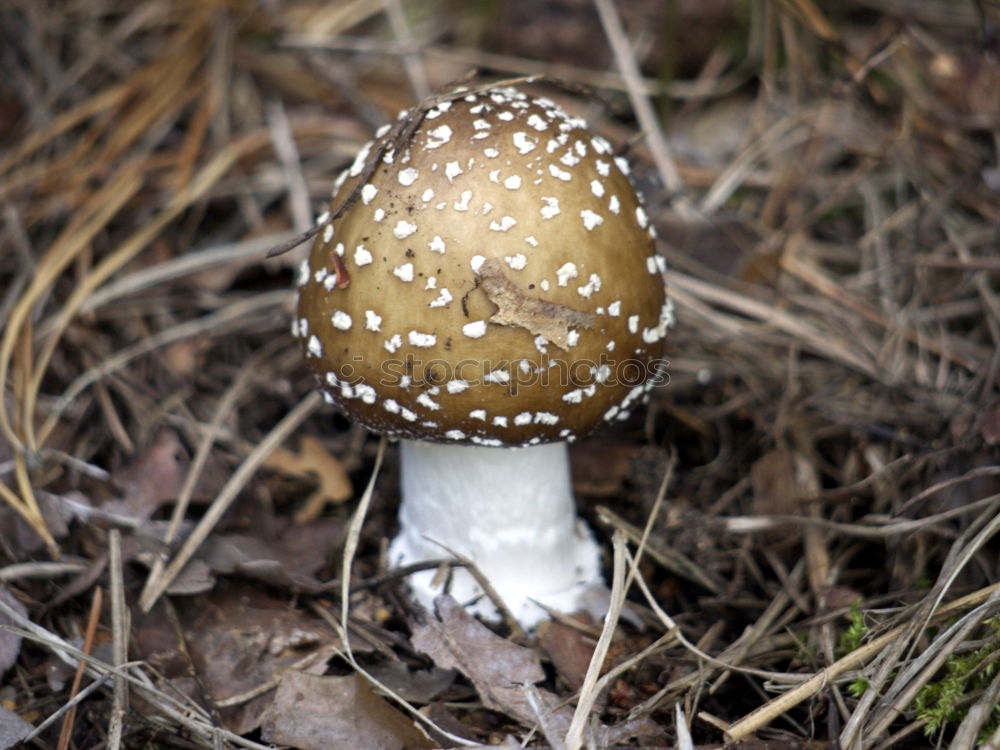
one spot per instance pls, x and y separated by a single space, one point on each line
511 511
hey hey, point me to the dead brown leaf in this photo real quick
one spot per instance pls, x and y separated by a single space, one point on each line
13 729
313 461
989 425
414 685
773 480
644 729
196 578
59 511
152 479
284 557
570 652
235 639
317 713
10 643
499 669
547 319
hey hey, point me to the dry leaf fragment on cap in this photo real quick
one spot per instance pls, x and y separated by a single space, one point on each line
550 320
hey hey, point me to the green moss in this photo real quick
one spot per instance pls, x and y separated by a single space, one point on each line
851 638
940 702
858 687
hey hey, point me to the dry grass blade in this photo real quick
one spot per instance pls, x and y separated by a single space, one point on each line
411 51
291 164
17 332
689 291
40 570
959 351
648 120
102 102
68 706
201 183
27 508
875 530
516 631
238 312
784 134
226 496
522 66
654 513
922 669
993 742
105 205
727 662
814 17
684 740
188 715
182 265
27 505
120 634
222 412
351 547
589 691
764 715
907 682
88 645
669 558
343 626
544 718
979 714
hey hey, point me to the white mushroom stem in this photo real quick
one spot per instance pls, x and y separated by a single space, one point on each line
509 510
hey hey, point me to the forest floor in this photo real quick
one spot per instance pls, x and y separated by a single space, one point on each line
813 500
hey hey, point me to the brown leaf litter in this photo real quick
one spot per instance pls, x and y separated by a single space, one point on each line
823 178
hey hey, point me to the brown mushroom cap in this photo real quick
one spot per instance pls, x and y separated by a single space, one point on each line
496 281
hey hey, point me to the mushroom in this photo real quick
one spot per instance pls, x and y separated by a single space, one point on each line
489 292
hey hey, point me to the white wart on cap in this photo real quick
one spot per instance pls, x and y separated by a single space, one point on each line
504 287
